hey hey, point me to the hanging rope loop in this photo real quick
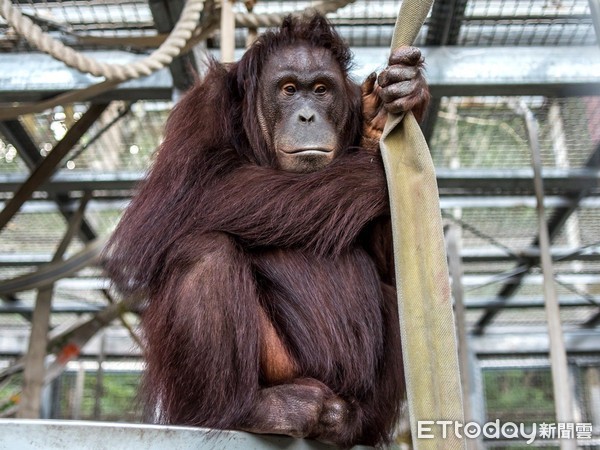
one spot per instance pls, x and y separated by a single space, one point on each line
158 59
251 20
183 37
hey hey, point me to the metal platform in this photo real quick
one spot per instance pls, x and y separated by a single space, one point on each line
21 434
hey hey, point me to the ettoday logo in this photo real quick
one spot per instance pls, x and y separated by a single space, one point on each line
428 429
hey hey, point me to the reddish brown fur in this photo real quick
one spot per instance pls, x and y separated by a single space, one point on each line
217 232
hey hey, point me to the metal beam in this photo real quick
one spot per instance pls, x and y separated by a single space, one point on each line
475 71
503 201
563 398
84 334
47 167
470 303
451 71
516 341
34 369
445 22
65 279
52 434
119 202
56 272
64 182
18 136
555 224
520 303
443 29
478 279
499 181
81 308
451 182
595 13
455 265
29 77
166 14
468 255
491 254
592 321
528 341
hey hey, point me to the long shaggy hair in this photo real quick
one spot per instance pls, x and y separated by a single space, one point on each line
218 234
211 132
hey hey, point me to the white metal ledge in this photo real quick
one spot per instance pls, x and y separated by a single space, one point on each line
25 434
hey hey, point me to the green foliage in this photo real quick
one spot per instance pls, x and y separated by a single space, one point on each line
10 392
118 397
519 395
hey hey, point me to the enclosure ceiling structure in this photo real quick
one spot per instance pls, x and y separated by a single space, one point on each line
482 56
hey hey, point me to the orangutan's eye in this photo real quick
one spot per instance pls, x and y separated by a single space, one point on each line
289 89
320 89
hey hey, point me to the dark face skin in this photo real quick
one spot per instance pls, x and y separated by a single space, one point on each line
300 109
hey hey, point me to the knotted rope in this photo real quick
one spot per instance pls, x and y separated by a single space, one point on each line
184 35
158 59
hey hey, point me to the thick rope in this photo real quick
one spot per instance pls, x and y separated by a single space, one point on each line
168 50
90 91
251 20
200 33
158 59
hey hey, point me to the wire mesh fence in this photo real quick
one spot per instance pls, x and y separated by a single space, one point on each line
486 134
519 390
106 391
88 389
82 24
466 125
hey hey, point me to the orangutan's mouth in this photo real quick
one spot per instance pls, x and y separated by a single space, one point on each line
308 151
